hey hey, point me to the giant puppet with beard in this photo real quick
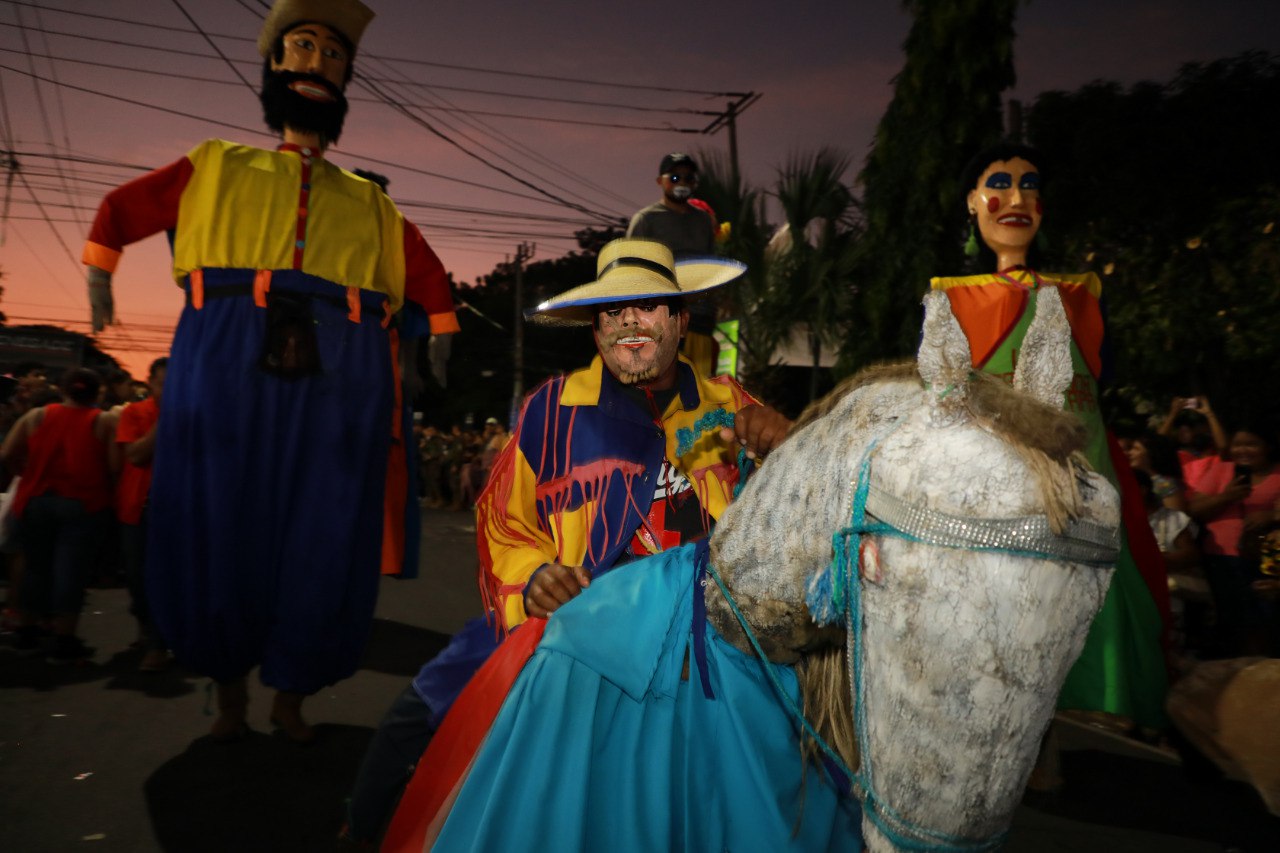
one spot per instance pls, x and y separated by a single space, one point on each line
279 418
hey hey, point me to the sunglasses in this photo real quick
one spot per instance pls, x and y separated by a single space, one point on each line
682 179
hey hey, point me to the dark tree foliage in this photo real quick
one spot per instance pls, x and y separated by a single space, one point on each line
946 106
480 365
1171 193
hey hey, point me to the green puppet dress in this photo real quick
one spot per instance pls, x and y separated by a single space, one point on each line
1121 669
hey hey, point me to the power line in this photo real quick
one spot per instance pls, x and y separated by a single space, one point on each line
241 128
645 128
423 62
500 156
523 148
93 161
387 98
58 235
403 204
44 215
418 120
9 303
417 84
214 45
43 110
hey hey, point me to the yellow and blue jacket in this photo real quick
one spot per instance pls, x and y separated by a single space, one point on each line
577 478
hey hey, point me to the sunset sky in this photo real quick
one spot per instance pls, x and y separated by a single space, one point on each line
91 92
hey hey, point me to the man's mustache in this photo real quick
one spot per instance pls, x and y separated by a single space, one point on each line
612 338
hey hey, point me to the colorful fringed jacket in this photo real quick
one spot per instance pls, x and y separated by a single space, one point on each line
578 477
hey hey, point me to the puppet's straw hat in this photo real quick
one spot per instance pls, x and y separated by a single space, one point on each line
631 270
348 17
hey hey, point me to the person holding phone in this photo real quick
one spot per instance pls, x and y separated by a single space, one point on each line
1192 424
1235 498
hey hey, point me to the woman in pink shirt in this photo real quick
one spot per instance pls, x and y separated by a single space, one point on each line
1235 497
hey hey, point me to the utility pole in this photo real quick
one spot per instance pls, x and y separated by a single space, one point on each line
523 253
732 113
729 119
10 164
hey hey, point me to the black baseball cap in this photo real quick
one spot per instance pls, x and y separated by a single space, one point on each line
677 159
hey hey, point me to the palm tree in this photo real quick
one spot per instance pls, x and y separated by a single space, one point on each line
810 260
792 285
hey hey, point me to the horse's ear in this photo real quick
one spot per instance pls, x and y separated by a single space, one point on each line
944 360
1044 359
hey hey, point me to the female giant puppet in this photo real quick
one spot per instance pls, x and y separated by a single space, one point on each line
1121 670
273 441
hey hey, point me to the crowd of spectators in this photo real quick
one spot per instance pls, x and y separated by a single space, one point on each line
59 530
454 465
1213 500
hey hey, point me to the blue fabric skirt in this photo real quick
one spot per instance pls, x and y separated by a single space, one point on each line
602 745
266 502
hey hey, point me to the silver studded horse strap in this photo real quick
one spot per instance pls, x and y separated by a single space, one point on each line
1081 542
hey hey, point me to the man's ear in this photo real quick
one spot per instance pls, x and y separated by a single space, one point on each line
684 321
658 180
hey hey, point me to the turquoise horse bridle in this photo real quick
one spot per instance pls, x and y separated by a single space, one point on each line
835 594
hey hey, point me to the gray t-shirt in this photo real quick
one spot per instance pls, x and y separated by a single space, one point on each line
683 233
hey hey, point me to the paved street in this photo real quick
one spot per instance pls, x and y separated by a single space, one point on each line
105 758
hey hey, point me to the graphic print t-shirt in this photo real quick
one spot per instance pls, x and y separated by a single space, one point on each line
675 516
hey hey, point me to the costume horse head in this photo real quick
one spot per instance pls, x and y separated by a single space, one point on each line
972 549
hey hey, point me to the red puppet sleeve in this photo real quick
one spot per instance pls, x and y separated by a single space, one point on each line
138 209
425 282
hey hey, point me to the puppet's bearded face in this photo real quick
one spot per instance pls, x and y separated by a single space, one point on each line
303 88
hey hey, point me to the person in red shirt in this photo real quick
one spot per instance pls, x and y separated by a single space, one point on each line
1232 499
60 451
133 450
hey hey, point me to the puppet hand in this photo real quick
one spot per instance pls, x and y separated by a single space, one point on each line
102 306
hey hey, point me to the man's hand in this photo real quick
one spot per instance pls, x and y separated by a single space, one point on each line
102 309
757 428
552 586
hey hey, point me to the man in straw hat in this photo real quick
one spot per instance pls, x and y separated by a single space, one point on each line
629 456
277 422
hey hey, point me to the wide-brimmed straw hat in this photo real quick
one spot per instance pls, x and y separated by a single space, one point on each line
631 270
348 17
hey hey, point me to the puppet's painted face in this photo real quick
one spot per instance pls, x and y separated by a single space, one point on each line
315 49
639 341
1006 202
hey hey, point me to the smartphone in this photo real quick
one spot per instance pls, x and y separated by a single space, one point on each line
1243 471
1191 403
